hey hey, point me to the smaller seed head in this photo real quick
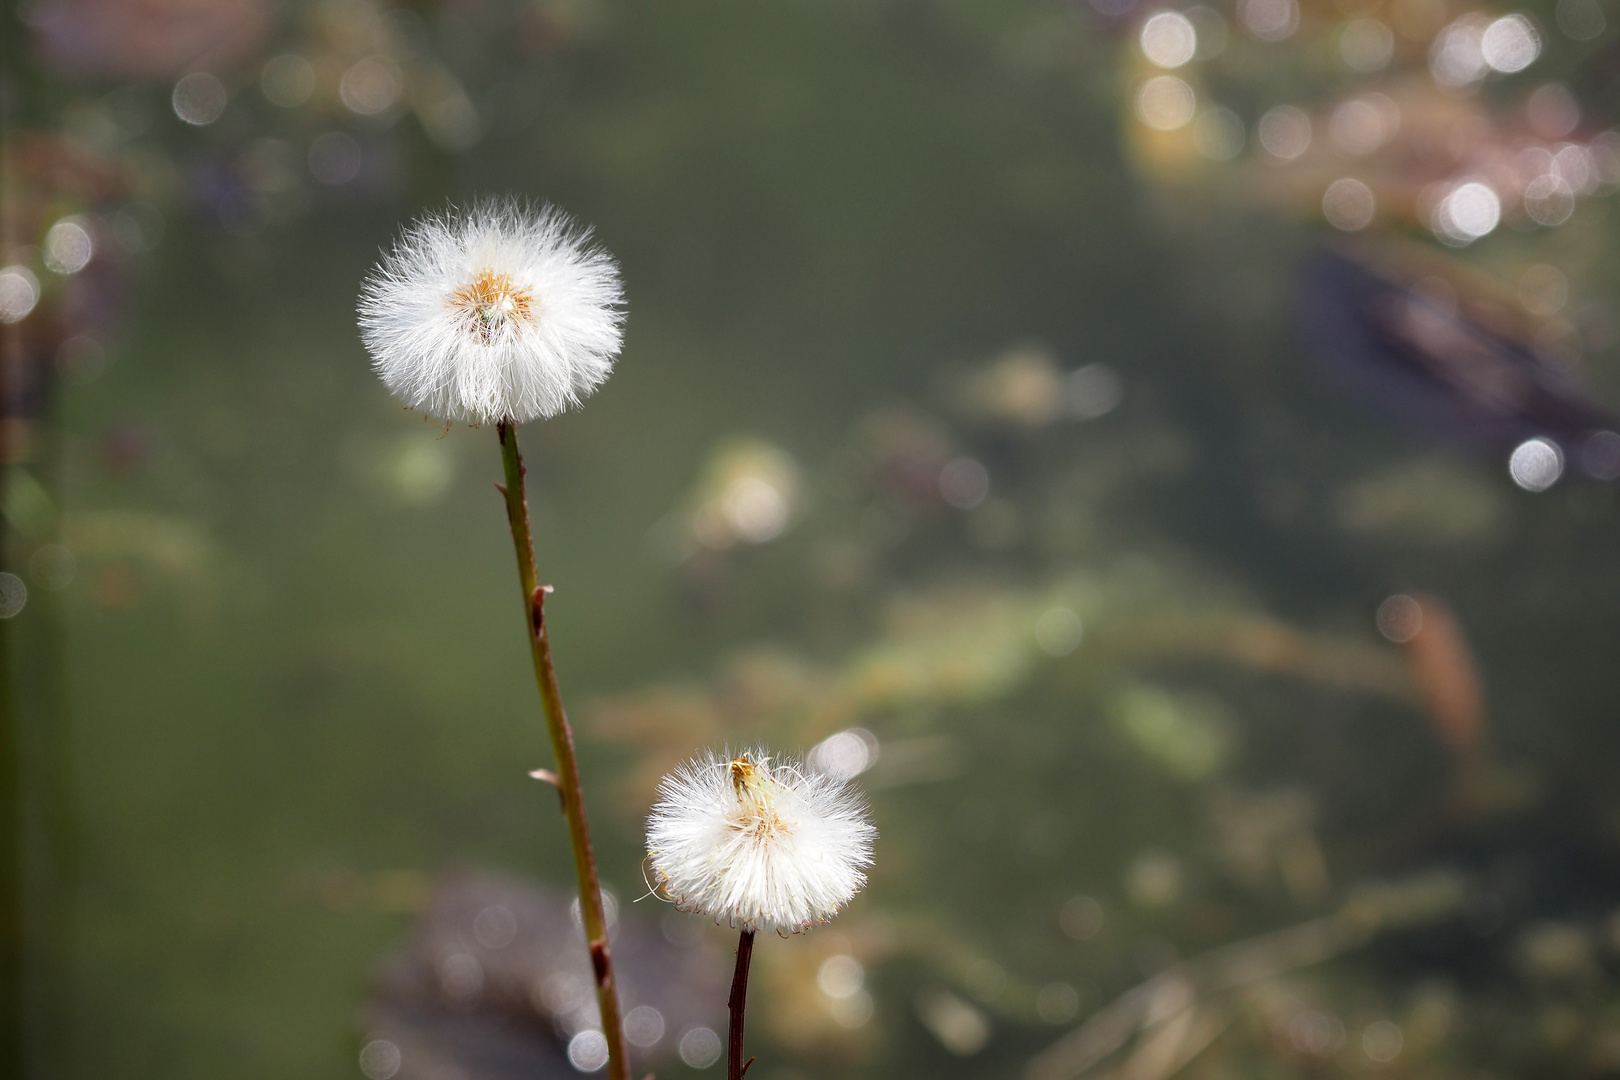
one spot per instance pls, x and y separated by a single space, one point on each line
757 842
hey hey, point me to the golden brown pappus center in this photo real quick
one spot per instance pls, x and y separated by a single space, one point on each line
744 773
490 301
751 782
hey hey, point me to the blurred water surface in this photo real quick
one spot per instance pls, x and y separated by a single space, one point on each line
1225 707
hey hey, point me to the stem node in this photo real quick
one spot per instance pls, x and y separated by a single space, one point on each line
562 747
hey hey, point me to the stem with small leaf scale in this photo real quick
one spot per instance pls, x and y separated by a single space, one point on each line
562 747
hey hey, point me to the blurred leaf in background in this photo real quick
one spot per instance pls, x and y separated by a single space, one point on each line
987 427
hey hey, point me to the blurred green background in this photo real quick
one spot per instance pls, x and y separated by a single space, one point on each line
969 401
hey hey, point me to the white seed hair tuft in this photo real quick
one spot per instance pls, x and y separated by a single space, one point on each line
758 843
501 312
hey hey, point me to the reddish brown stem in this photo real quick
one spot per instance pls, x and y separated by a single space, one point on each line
735 1066
562 747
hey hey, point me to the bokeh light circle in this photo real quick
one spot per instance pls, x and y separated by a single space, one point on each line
700 1048
1510 44
1400 618
588 1051
68 246
643 1026
199 98
1366 46
13 595
1166 103
19 292
1349 205
379 1059
1469 211
1168 39
1382 1041
964 483
1269 20
371 85
1549 200
1457 56
1285 132
1536 464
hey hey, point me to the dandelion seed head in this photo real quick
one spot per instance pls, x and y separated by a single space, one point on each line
757 842
502 312
492 304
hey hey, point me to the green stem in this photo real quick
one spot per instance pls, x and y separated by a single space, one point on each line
562 748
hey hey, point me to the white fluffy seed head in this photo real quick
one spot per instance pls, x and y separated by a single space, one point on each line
503 312
757 842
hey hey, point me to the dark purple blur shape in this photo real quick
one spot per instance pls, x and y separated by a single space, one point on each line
1431 368
502 1025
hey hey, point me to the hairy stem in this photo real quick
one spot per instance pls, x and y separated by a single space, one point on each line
735 1066
562 748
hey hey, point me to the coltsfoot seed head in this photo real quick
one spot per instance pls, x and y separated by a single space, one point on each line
757 842
503 312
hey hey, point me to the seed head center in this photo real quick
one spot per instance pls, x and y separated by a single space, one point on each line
756 795
491 301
